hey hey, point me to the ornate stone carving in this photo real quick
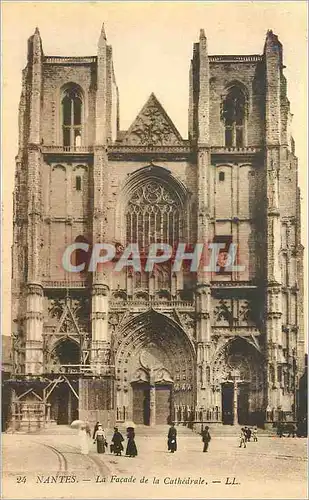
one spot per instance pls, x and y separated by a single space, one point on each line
188 322
153 127
238 355
55 308
223 313
69 315
250 313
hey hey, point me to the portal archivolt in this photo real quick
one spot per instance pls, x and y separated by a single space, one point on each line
152 349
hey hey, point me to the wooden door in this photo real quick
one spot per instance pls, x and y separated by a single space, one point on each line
243 404
163 404
141 404
227 403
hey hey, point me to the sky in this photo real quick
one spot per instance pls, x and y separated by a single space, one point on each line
152 47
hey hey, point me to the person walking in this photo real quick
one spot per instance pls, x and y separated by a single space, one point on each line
206 438
280 430
95 429
249 432
254 434
100 439
117 442
242 438
131 450
172 439
245 429
83 440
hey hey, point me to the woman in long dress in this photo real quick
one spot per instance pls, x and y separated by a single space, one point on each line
84 445
117 442
100 439
131 450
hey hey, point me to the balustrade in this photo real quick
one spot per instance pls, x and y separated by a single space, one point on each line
187 415
54 148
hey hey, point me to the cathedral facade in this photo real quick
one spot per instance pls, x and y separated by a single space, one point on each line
223 345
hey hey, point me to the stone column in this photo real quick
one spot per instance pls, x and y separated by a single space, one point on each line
235 403
273 157
34 330
203 295
152 420
235 376
34 293
100 346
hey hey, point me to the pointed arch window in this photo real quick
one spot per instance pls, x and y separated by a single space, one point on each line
72 108
234 114
154 215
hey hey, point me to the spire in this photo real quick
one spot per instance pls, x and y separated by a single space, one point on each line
272 41
203 102
202 34
203 41
103 34
37 31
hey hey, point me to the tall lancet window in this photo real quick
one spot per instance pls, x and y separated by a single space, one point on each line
72 106
233 114
154 216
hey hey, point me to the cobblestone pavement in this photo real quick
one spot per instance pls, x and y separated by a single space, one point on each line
270 468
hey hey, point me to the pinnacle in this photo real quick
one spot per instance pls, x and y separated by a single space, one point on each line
202 33
103 34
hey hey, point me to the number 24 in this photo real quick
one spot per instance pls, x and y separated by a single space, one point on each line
21 479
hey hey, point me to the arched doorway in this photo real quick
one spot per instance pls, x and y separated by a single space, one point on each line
63 400
155 369
238 377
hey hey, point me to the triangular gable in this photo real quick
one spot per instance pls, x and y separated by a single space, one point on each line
152 127
67 323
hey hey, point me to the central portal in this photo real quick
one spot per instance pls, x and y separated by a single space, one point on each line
155 369
152 404
235 403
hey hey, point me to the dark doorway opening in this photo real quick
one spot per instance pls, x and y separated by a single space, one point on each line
141 403
67 352
227 403
64 403
243 404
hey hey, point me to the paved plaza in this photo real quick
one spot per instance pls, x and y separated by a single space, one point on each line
51 466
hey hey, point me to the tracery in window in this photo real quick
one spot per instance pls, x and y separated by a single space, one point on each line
153 215
233 114
72 105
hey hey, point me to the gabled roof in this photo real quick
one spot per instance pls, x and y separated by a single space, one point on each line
152 127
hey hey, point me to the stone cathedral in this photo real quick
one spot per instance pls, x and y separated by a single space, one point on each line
222 346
